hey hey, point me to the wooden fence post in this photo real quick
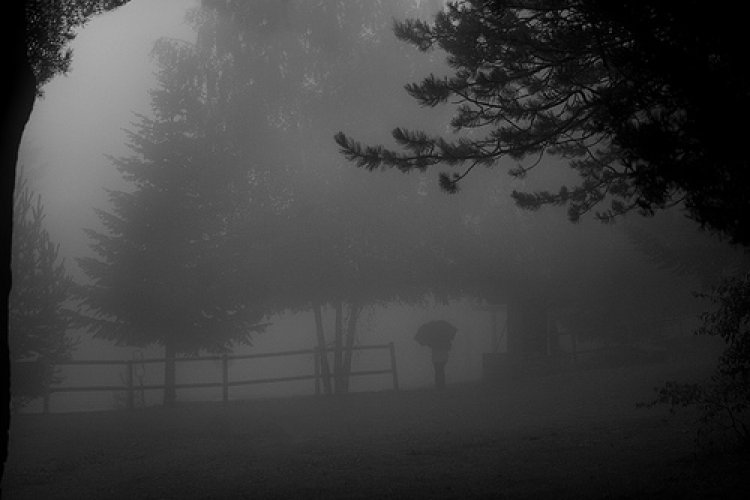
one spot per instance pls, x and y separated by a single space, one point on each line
49 372
392 348
225 378
316 358
45 400
131 388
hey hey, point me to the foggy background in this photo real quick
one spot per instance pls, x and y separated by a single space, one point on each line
203 192
602 268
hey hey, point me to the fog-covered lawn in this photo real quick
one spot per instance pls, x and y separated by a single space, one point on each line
574 435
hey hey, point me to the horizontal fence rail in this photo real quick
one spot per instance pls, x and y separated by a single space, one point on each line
130 387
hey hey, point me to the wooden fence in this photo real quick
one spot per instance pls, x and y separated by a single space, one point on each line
130 387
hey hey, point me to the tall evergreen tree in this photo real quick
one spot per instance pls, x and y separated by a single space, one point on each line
38 303
169 269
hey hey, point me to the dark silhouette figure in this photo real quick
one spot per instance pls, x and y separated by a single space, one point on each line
437 335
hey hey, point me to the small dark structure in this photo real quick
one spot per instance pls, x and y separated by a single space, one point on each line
438 336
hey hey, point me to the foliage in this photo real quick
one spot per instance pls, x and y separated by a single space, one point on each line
617 90
675 244
724 401
328 240
50 27
330 235
169 268
41 290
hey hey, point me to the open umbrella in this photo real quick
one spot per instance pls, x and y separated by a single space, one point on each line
436 334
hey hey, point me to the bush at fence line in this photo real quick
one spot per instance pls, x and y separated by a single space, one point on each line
724 400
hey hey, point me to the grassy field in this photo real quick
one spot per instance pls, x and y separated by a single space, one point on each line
573 435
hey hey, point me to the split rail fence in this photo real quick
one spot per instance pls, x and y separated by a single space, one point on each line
130 387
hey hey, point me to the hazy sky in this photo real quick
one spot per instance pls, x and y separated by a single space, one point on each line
82 115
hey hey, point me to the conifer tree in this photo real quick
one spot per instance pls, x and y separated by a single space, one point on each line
636 97
169 270
38 303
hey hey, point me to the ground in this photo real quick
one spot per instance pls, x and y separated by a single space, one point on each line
573 435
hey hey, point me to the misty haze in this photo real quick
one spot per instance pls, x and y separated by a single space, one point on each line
379 249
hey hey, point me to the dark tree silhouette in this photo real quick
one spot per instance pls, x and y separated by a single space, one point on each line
35 33
51 27
638 97
722 401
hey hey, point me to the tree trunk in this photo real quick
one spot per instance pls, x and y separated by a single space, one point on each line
338 350
325 368
351 331
17 102
170 391
527 327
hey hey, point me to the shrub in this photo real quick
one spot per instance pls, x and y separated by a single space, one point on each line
723 401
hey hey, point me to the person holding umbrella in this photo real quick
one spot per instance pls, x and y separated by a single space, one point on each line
437 335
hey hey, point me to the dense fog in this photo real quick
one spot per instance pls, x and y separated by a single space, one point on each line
309 81
204 214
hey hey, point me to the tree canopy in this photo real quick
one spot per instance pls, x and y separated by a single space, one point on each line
285 73
168 268
340 236
639 98
50 27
